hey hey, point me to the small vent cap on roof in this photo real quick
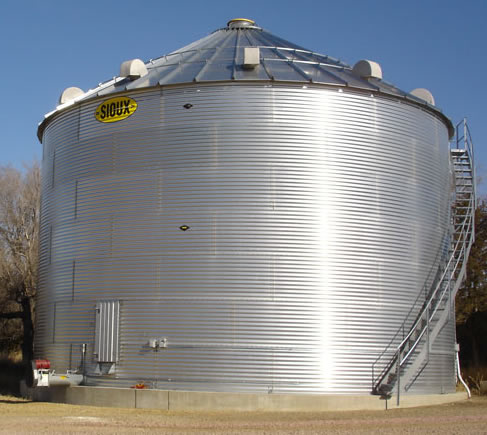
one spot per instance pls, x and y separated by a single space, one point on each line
133 69
251 57
424 94
70 94
367 69
239 23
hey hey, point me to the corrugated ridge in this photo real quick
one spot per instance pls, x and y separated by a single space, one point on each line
315 218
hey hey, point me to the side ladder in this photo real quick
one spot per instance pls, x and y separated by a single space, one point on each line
403 362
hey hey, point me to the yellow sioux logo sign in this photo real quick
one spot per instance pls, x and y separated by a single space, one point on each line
115 109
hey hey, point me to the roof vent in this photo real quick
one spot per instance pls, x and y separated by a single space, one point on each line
424 94
367 69
70 94
133 69
239 23
251 57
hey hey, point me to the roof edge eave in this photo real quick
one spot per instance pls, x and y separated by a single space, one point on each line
406 97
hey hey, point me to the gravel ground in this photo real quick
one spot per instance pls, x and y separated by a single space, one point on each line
18 416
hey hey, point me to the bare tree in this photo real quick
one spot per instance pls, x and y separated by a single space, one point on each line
19 237
471 300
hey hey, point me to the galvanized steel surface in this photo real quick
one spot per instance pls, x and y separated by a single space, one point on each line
220 57
315 216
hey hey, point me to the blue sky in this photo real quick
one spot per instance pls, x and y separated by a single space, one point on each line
49 45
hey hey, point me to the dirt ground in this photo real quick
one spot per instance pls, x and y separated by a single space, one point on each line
19 416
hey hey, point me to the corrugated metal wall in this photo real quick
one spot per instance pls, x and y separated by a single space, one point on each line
316 216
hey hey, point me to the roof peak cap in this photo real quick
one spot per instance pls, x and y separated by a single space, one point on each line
240 23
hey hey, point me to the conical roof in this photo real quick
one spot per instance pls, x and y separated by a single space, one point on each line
220 57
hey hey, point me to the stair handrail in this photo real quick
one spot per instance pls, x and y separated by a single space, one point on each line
399 330
467 142
456 254
462 255
420 298
459 253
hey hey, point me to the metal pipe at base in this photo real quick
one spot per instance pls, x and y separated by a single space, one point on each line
459 373
67 380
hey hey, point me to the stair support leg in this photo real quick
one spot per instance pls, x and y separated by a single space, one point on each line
398 376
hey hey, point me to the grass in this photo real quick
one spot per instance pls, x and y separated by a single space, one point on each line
475 377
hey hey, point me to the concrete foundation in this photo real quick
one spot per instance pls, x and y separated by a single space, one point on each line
204 401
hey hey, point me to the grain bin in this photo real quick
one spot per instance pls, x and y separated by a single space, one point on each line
246 215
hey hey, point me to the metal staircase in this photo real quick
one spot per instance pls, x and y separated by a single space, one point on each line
408 352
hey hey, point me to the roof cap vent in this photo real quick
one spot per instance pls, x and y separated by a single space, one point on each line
367 69
424 94
133 69
239 23
70 94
